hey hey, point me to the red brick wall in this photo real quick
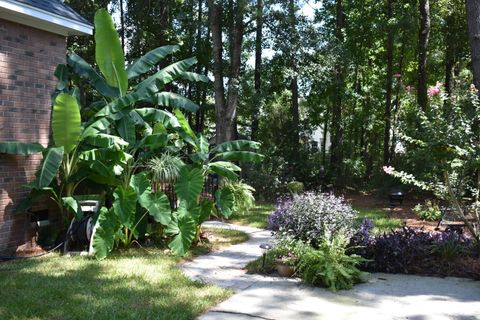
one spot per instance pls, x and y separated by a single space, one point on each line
28 58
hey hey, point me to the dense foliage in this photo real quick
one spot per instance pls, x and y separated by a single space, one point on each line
243 198
428 211
309 217
413 251
447 135
330 265
106 145
323 85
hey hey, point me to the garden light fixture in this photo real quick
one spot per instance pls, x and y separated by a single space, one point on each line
265 247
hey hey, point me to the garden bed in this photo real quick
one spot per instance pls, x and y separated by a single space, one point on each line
329 244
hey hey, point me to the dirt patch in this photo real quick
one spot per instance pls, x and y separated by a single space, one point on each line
402 211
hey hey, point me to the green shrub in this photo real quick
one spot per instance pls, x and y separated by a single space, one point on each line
242 194
288 250
430 211
295 187
329 265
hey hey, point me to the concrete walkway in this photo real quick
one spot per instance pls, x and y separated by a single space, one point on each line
384 296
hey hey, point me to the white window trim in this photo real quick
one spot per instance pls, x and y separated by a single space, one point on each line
41 19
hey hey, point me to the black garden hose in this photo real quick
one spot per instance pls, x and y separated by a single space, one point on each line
8 258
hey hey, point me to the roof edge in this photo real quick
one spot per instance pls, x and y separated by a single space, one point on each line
41 19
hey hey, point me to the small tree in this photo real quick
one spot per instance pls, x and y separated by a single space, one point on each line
449 133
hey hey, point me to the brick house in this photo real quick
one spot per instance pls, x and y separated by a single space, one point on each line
32 42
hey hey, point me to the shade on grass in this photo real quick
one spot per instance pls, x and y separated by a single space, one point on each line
129 285
256 217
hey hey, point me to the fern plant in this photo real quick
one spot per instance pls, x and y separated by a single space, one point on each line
329 265
242 195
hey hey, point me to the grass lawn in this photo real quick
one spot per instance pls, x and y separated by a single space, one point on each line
381 219
135 284
256 217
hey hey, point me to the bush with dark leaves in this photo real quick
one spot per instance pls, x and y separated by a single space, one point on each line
308 217
410 250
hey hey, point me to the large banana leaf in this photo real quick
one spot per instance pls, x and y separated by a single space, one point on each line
126 129
124 205
103 140
52 159
189 184
61 72
194 77
21 148
66 122
86 71
112 110
149 60
166 75
204 145
202 148
104 233
246 156
183 228
186 131
237 145
109 52
110 155
157 115
99 126
170 99
224 169
154 141
225 201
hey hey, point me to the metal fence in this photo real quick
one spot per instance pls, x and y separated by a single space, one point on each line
210 186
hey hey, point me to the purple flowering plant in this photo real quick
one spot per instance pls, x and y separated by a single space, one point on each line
309 216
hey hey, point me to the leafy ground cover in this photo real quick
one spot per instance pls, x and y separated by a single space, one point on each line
134 284
255 217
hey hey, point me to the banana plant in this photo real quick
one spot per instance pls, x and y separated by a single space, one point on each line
122 86
65 157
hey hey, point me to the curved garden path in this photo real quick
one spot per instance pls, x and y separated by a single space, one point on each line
384 296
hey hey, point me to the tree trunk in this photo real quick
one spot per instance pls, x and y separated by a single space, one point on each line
226 111
423 36
473 20
325 136
336 159
294 81
122 24
215 12
234 78
258 69
388 89
199 88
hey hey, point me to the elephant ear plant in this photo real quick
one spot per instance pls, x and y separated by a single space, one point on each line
119 224
112 146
